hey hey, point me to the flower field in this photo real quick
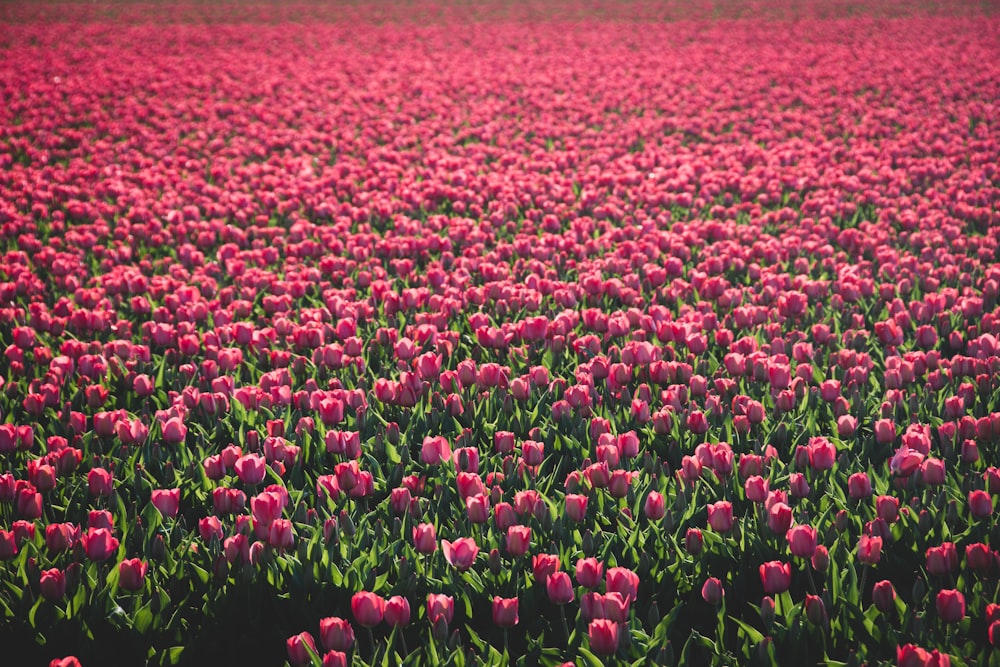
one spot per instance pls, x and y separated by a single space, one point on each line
505 333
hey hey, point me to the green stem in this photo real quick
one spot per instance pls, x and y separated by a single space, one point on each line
562 615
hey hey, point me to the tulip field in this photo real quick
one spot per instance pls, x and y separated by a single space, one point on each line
412 333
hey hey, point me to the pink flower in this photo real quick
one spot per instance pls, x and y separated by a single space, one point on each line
424 538
368 608
166 501
603 636
720 516
461 553
132 574
505 612
775 576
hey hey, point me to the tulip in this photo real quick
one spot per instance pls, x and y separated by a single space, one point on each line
869 549
712 591
336 634
61 536
815 609
543 565
980 504
859 486
435 450
979 557
251 468
518 540
775 576
478 508
368 608
132 574
603 636
822 453
933 472
68 661
720 516
424 538
779 518
99 544
909 655
756 488
559 588
801 541
655 506
174 431
504 515
397 611
887 508
461 553
280 534
335 659
301 648
52 584
693 541
624 581
942 559
589 572
100 482
576 507
166 501
950 606
533 452
505 612
440 607
884 596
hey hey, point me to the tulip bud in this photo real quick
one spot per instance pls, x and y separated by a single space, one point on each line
767 611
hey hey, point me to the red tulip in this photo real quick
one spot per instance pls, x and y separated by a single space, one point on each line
869 549
884 596
815 609
775 576
756 487
280 534
99 544
424 538
100 482
505 612
397 611
933 472
887 508
440 607
942 559
779 518
461 553
980 504
950 606
60 537
518 540
624 581
559 587
693 541
68 661
368 608
655 506
166 501
336 634
859 486
132 574
576 507
52 584
712 591
801 541
979 557
251 468
543 565
589 572
720 516
301 648
822 453
335 659
174 431
603 636
435 450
